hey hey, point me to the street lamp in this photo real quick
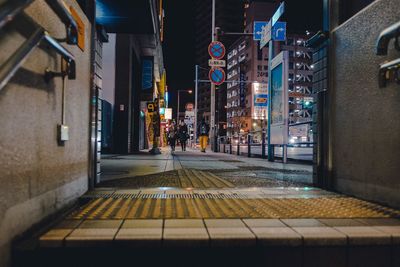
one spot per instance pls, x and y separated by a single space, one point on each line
177 114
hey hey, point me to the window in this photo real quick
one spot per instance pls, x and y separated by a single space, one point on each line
242 46
232 64
259 68
232 53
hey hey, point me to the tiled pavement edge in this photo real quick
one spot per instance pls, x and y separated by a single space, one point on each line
349 240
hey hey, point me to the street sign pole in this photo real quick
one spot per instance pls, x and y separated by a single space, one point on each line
177 113
195 103
212 100
270 57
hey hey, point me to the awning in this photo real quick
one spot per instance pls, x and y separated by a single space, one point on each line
127 16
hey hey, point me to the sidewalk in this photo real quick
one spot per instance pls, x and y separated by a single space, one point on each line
214 209
122 166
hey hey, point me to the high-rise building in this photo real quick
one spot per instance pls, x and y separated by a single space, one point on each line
229 18
247 67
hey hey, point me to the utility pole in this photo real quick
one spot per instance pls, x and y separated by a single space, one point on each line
212 101
177 113
196 87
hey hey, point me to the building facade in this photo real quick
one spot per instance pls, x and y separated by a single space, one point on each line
357 149
247 68
45 168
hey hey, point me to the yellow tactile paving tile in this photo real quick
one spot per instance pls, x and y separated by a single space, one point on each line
123 211
108 212
100 209
133 208
210 206
200 179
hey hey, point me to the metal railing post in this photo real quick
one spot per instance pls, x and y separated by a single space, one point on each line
248 145
263 144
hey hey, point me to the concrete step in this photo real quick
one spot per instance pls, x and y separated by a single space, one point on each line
219 242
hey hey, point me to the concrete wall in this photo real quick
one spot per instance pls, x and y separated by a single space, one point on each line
37 176
365 118
109 69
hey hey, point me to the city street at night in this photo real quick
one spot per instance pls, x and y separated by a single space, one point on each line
199 133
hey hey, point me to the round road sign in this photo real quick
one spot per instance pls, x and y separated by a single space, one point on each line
217 75
216 50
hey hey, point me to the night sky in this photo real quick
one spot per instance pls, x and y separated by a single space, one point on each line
179 39
179 49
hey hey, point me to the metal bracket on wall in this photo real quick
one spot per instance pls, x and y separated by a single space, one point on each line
11 8
58 6
389 72
10 67
384 38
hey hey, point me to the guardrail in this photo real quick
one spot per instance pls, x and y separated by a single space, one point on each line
303 152
242 144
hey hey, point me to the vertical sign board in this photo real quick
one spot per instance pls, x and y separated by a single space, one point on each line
278 13
168 113
265 35
81 28
279 99
147 73
260 101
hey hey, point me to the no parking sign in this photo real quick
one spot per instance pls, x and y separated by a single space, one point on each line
216 50
217 75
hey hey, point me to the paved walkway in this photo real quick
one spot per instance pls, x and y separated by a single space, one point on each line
203 203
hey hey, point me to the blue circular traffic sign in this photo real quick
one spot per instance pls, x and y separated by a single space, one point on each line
216 50
217 75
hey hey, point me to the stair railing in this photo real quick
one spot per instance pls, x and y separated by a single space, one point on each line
12 8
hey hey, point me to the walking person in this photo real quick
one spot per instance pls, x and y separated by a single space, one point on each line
203 131
172 137
183 135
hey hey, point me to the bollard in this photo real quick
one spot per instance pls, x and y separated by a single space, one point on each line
224 148
284 156
230 148
238 148
249 145
263 145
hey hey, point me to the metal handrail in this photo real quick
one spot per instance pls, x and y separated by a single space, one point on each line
9 68
10 9
384 38
65 16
